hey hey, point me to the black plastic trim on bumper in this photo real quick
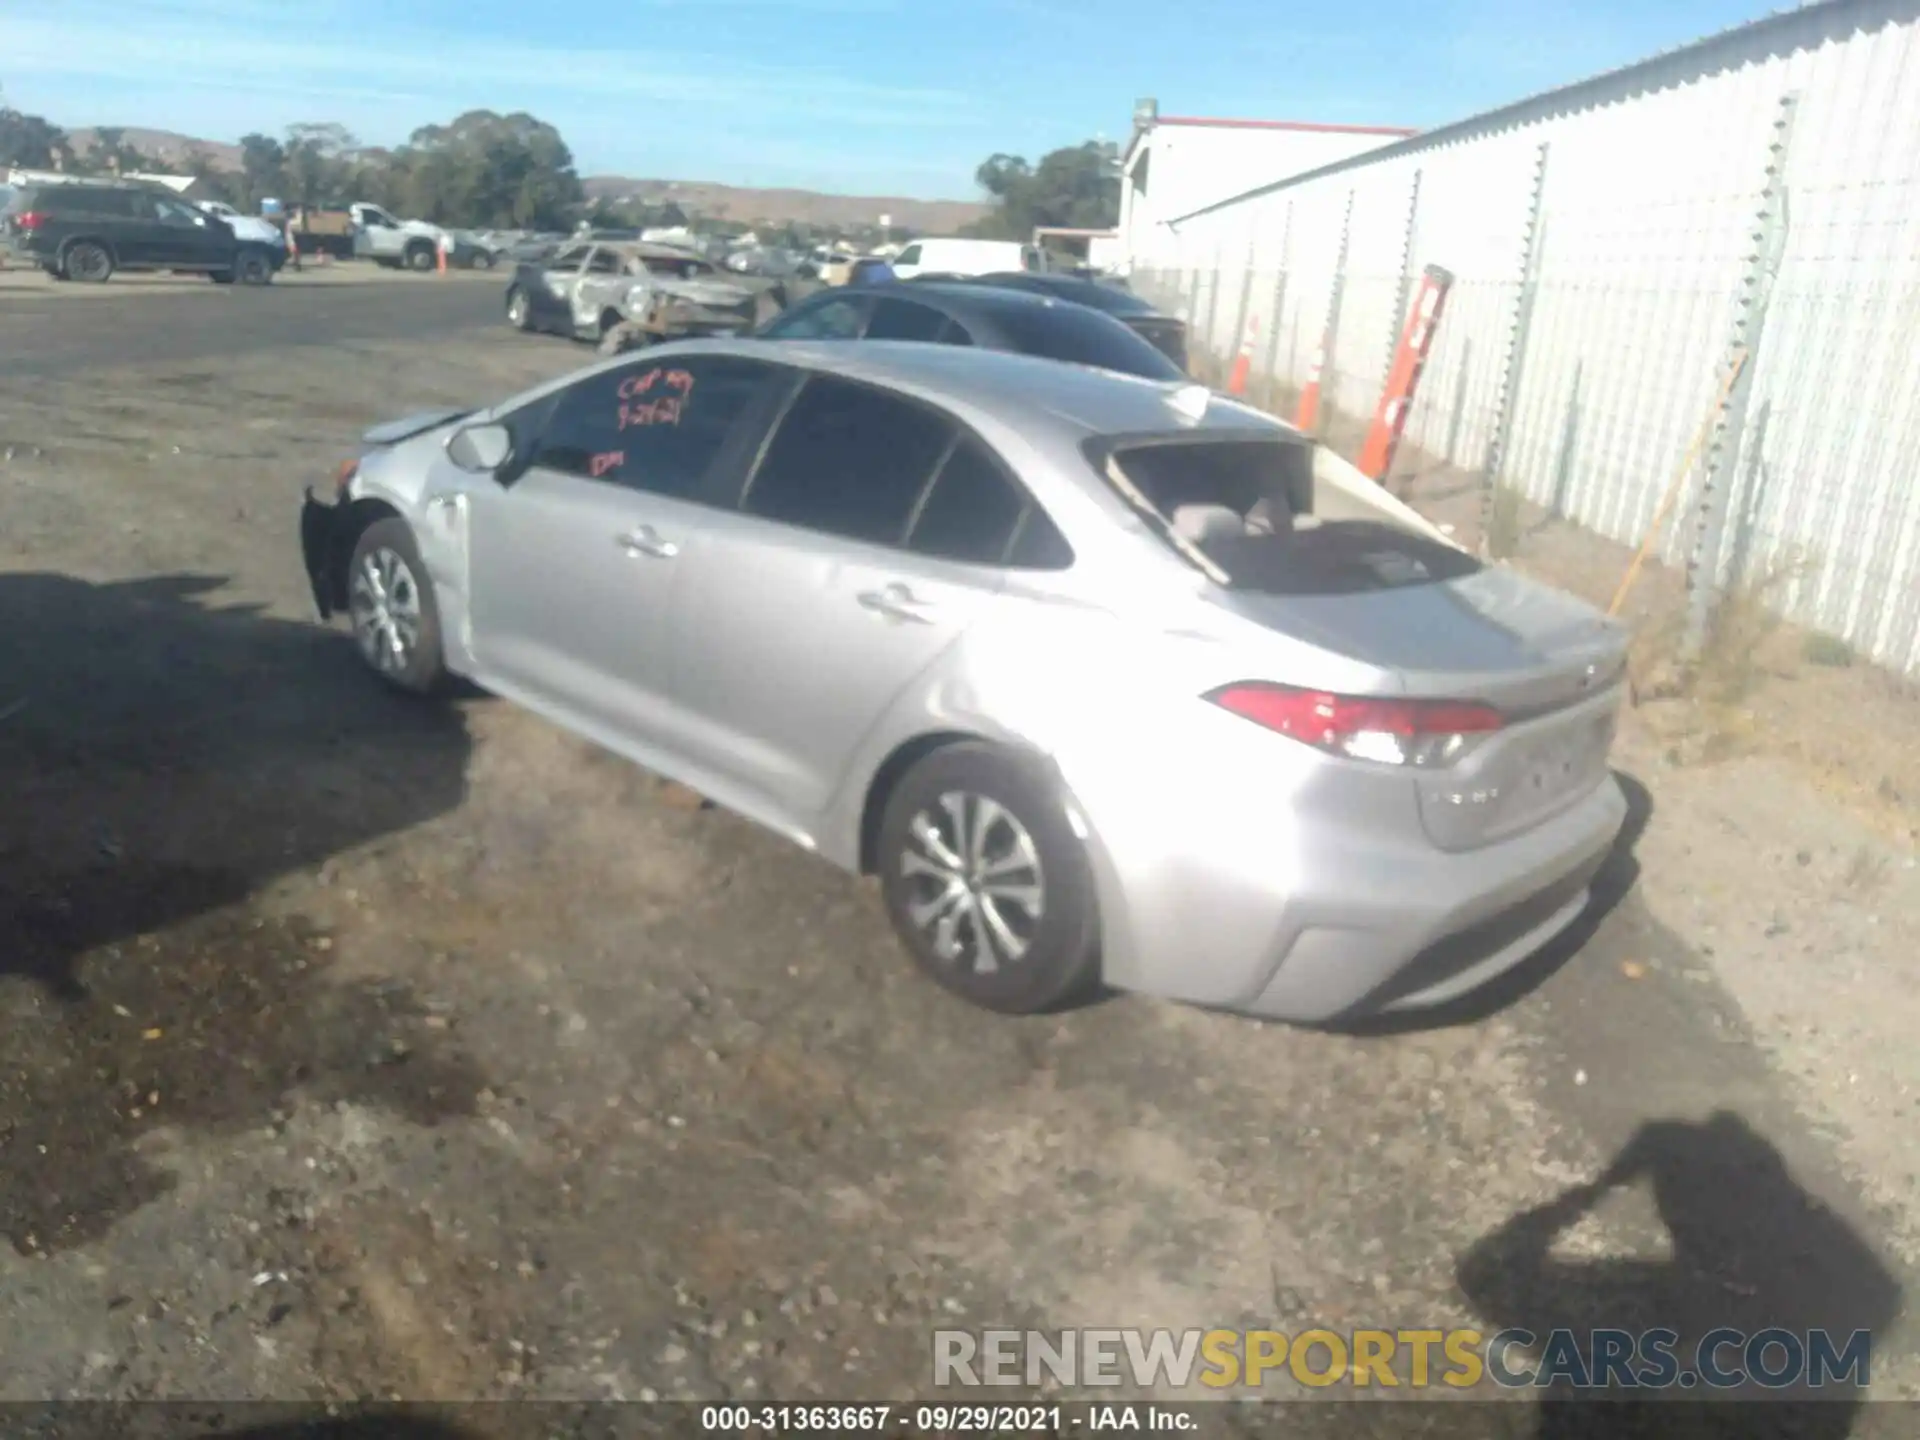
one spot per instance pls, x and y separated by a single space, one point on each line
319 529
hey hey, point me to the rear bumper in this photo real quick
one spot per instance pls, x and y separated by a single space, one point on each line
1273 882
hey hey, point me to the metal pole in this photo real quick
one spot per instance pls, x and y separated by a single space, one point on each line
1279 301
1408 241
1769 236
1328 367
1513 360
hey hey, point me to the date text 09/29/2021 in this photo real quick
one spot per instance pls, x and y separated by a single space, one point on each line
943 1419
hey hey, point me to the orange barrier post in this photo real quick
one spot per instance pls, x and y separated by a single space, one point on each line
1243 362
1307 414
440 256
1390 420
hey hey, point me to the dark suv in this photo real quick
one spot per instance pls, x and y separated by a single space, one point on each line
82 231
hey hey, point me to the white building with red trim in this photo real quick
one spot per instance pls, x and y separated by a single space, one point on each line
1176 164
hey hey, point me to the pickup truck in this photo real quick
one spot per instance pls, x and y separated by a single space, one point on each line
379 237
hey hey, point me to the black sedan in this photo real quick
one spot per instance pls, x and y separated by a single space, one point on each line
1167 333
965 313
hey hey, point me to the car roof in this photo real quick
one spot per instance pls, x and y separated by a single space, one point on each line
1090 293
967 299
1024 392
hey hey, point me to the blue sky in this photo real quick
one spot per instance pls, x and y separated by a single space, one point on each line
877 97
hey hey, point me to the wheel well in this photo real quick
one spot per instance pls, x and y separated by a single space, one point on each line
351 525
887 776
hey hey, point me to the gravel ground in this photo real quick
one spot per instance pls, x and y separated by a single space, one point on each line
353 1048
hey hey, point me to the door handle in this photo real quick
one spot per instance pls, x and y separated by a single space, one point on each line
443 502
648 542
895 602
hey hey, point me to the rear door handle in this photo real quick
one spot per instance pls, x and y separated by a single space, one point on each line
647 541
895 602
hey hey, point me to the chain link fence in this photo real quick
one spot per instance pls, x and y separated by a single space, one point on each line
1759 202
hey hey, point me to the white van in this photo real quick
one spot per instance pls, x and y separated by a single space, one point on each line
965 257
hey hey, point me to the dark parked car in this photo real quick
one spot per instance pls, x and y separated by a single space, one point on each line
1167 333
80 231
960 313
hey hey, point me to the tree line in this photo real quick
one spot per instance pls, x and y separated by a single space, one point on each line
485 170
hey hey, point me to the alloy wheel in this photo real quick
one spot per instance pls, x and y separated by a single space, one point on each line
384 600
975 887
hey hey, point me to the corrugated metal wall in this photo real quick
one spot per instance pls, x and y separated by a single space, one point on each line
1645 194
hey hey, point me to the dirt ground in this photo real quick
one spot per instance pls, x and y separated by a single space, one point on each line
358 1048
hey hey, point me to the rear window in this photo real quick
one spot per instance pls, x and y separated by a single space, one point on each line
1079 336
1245 505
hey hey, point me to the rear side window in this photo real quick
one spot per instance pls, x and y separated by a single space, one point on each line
975 513
849 461
903 320
652 426
837 317
1080 336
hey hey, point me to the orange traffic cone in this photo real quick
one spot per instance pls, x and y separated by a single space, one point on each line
1243 362
440 255
1308 414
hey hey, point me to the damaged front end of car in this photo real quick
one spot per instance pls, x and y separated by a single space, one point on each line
330 523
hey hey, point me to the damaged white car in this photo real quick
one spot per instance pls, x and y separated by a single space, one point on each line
623 293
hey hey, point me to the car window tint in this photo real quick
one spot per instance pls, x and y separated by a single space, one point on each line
1037 544
850 461
604 262
835 318
954 333
567 260
909 256
902 320
972 511
654 425
1080 336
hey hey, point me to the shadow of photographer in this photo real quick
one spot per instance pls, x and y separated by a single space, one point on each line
1750 1253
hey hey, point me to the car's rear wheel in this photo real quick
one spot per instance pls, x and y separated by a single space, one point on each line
420 256
87 260
986 884
519 309
391 605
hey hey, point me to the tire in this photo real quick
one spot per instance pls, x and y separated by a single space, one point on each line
386 552
88 261
253 267
419 257
1026 829
519 308
483 261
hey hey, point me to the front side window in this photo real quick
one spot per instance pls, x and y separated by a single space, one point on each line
655 426
604 262
849 460
837 317
909 256
568 261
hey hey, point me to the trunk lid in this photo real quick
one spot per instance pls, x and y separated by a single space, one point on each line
1440 626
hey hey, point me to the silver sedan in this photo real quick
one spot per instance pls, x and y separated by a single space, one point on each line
1063 656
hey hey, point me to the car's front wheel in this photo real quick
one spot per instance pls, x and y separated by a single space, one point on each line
252 266
519 309
391 605
986 883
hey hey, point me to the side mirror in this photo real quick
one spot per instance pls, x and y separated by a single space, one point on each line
480 449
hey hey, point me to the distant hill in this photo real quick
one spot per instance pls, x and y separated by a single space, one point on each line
806 207
163 145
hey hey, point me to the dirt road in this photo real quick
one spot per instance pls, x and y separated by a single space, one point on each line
356 1048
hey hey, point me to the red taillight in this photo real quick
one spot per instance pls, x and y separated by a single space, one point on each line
29 220
1384 730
